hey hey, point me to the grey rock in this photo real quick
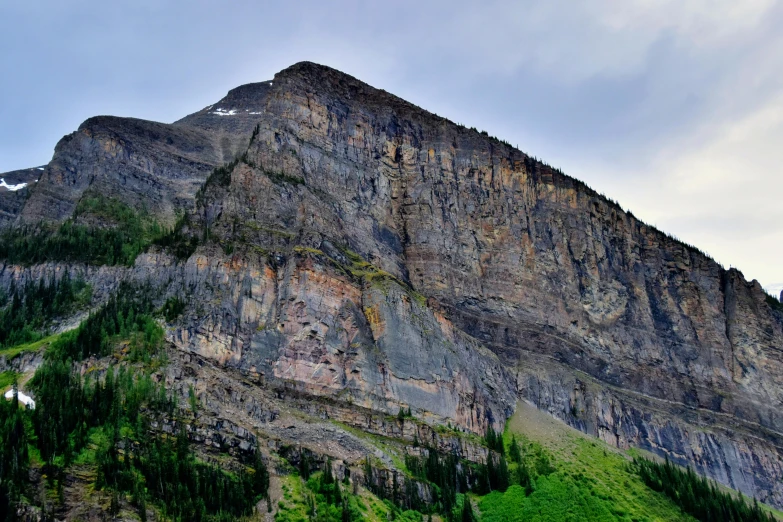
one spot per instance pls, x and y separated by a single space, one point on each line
12 201
385 257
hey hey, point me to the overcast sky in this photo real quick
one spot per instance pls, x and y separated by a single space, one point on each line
673 108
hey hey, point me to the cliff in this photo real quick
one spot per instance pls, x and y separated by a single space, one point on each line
15 188
373 254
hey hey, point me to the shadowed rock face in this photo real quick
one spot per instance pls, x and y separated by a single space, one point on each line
146 164
589 313
14 192
235 115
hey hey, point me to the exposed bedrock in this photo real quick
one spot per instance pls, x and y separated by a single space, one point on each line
370 252
516 255
308 326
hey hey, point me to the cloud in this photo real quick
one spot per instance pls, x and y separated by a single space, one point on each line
671 107
723 195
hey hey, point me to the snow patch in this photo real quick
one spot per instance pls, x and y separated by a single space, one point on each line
12 188
254 113
224 112
270 84
24 399
40 168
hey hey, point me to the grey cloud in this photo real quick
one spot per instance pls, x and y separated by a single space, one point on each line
613 92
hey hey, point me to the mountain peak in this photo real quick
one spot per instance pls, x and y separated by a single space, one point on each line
341 242
313 70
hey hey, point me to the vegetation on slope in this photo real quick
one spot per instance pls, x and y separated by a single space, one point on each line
14 458
186 489
104 420
123 234
26 311
697 495
177 241
323 498
537 470
557 465
7 379
127 314
588 480
773 302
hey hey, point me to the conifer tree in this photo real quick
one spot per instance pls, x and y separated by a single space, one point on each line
513 452
523 474
467 511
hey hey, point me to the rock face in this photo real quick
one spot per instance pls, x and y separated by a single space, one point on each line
146 164
382 256
15 188
302 324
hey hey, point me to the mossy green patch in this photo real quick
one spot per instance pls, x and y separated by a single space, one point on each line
293 506
393 448
7 379
308 250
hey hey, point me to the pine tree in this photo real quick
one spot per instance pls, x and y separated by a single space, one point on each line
502 471
513 452
491 473
490 438
328 477
467 511
523 473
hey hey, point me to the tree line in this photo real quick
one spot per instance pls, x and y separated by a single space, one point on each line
329 501
167 472
128 311
696 495
123 233
26 310
450 479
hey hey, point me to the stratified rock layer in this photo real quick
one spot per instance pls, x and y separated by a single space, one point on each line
378 251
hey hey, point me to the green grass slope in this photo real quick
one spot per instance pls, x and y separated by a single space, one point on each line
590 480
572 477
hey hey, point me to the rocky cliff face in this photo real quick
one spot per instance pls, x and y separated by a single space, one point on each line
150 165
300 323
377 255
15 188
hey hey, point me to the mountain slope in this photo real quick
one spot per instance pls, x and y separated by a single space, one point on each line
368 253
145 164
14 189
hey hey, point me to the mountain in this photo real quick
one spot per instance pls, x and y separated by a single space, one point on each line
14 188
331 260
